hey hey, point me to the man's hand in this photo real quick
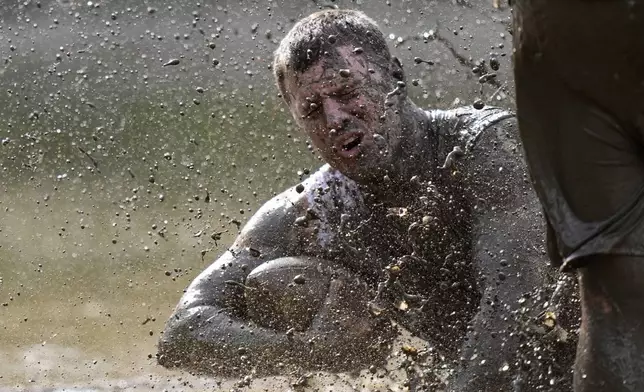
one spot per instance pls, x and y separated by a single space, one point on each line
347 334
323 305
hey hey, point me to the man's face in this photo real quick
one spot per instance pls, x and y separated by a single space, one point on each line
340 103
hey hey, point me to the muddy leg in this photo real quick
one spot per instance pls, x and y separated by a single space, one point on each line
610 355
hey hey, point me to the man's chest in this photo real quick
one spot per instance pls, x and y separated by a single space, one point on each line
433 227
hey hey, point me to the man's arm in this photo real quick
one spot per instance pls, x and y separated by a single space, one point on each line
209 331
508 257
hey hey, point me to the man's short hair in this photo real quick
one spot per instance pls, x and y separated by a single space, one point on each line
309 39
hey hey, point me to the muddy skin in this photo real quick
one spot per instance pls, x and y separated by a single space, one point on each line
578 86
451 255
611 344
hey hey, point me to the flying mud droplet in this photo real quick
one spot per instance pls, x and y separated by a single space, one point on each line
388 102
345 73
380 141
451 157
409 350
478 104
487 77
418 60
302 221
494 63
396 91
172 62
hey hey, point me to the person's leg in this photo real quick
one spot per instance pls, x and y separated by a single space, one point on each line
579 77
580 100
610 353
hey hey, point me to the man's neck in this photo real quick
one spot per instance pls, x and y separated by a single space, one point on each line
414 163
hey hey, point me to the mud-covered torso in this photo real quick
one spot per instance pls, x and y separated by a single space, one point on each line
430 238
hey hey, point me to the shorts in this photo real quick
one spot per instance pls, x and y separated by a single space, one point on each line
579 72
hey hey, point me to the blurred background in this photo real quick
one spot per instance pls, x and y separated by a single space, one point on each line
137 137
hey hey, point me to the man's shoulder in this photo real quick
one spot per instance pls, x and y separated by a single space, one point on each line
494 165
474 136
310 209
490 159
465 125
326 187
329 188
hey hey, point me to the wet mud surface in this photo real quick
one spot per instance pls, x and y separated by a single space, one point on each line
52 368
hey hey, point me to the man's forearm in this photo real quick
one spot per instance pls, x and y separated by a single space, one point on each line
207 340
342 335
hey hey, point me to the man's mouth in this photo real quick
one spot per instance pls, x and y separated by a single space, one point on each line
348 146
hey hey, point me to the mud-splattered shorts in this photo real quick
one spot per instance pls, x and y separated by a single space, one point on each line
579 70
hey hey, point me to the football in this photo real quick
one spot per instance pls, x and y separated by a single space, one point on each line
287 292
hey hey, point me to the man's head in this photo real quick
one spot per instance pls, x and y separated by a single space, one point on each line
344 89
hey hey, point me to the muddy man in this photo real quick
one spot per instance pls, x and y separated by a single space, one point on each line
579 69
423 217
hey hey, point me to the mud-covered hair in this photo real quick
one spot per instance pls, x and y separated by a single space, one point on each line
309 40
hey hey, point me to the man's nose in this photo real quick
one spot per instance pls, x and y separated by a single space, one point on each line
336 115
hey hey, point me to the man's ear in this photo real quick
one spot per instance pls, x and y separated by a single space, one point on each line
397 69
